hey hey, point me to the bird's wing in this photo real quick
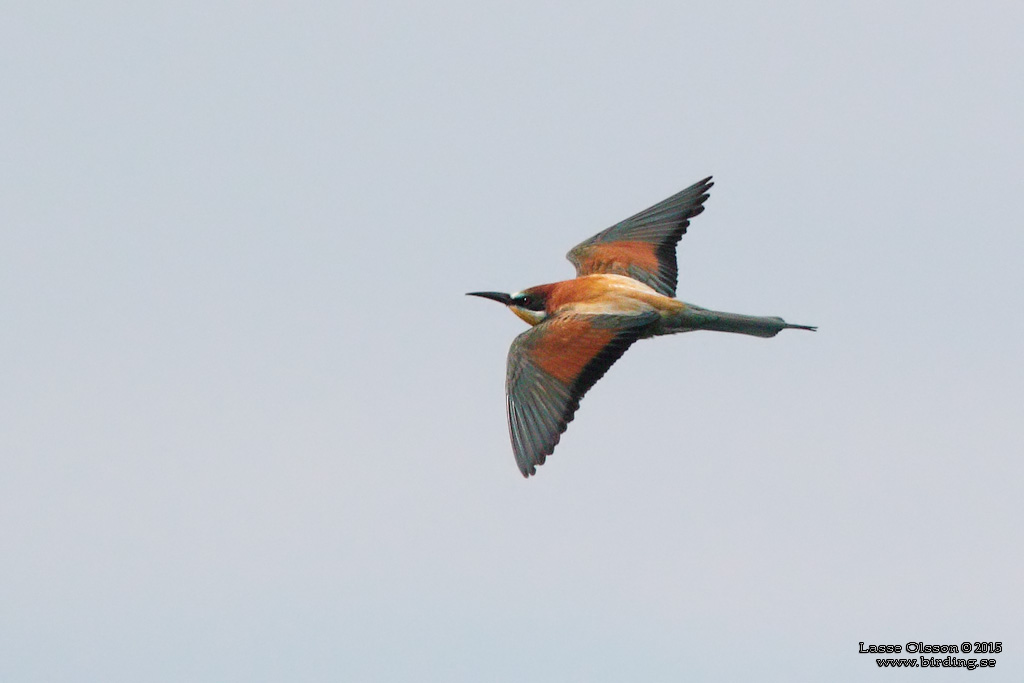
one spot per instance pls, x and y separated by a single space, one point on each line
643 247
551 366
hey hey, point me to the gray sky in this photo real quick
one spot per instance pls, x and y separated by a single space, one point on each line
252 429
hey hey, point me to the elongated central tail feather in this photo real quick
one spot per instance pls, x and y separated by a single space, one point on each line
697 318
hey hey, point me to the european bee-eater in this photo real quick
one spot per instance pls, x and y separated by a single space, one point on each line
624 290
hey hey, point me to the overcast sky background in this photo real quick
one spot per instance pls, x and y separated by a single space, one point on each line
252 429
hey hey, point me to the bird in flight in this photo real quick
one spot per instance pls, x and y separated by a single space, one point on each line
624 290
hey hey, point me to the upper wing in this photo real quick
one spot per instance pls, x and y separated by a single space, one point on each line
551 366
643 247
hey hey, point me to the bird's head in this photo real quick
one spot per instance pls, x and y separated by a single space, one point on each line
529 304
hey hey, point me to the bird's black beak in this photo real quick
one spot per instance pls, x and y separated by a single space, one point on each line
496 296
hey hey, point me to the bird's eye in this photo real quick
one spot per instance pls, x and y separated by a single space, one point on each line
529 301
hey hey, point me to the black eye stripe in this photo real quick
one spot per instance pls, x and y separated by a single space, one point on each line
528 302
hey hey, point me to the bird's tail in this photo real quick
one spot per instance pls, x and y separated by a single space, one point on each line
697 318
